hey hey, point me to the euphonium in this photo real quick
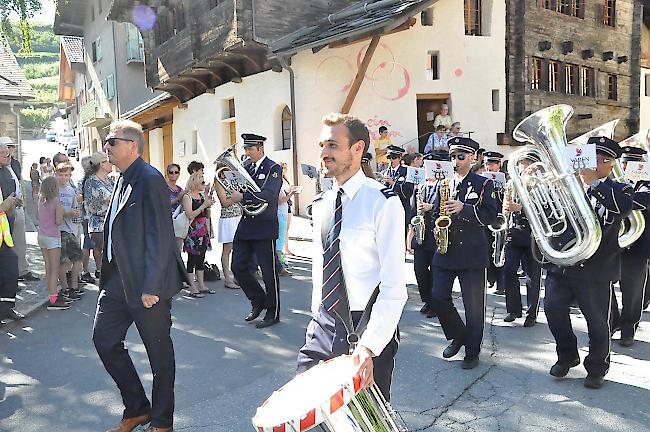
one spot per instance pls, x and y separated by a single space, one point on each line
226 161
631 231
500 229
418 221
551 195
443 222
631 227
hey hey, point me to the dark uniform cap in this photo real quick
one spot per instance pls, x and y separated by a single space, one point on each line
252 140
631 154
366 158
436 157
463 144
393 150
531 157
606 146
492 156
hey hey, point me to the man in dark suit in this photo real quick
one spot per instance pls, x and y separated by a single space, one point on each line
256 234
493 165
472 206
395 178
141 272
590 281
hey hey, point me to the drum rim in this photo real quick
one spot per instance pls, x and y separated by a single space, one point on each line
313 417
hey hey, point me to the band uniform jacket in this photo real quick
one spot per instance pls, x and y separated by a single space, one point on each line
268 177
469 244
612 201
427 193
143 243
519 232
403 189
641 247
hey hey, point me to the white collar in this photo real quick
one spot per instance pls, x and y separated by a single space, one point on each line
352 185
259 162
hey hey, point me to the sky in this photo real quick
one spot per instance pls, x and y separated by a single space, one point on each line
46 15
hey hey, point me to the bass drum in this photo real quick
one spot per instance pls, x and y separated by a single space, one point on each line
327 398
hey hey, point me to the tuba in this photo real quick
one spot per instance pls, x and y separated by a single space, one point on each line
227 161
633 229
551 195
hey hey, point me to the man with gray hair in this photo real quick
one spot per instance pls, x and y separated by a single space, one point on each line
141 271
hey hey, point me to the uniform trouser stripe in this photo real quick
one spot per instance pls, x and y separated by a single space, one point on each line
7 299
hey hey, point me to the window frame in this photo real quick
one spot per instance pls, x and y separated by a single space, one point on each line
554 77
473 17
287 134
612 87
571 79
536 67
586 81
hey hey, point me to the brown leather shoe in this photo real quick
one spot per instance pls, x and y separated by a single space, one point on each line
155 429
128 424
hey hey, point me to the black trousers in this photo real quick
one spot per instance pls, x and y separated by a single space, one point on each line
634 276
112 320
422 264
8 278
472 285
646 293
264 251
493 273
594 300
326 338
510 281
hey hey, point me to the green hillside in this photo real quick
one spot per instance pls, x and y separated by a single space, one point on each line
41 68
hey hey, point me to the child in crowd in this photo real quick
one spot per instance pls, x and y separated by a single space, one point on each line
50 216
71 254
35 176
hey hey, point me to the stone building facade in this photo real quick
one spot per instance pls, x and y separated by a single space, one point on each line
584 53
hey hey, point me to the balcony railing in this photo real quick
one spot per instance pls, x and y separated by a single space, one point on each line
93 115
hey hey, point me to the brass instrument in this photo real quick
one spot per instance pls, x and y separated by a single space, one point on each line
632 227
443 222
500 229
551 195
631 231
418 221
226 161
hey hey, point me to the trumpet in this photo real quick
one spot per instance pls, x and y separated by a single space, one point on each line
551 195
443 222
227 161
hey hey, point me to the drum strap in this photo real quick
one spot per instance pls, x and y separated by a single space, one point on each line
354 333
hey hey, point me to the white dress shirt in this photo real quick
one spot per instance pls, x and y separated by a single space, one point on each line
111 218
372 253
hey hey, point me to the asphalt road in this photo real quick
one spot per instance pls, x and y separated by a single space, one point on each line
52 379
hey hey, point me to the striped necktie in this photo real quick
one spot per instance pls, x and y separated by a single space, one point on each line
332 272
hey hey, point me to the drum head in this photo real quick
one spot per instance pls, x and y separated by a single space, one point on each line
299 404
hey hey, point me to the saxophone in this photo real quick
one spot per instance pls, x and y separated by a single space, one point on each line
418 221
443 222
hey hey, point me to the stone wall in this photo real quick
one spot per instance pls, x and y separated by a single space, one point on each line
588 33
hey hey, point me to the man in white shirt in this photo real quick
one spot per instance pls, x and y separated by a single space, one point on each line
359 259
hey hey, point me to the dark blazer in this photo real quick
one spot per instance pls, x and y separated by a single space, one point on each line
144 247
641 247
403 189
605 264
469 244
268 176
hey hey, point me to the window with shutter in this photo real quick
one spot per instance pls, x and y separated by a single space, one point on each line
287 122
110 86
473 17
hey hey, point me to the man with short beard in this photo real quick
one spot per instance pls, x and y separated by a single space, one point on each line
359 263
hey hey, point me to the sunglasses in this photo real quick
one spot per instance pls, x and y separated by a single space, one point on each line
460 156
112 141
173 172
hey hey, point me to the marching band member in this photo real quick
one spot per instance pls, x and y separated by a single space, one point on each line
472 206
359 263
395 178
423 252
519 249
256 234
590 281
634 262
493 164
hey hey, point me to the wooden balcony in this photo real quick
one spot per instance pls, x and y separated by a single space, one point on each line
93 115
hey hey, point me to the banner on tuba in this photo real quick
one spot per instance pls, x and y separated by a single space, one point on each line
580 157
439 170
637 171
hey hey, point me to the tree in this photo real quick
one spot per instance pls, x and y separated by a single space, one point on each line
25 9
